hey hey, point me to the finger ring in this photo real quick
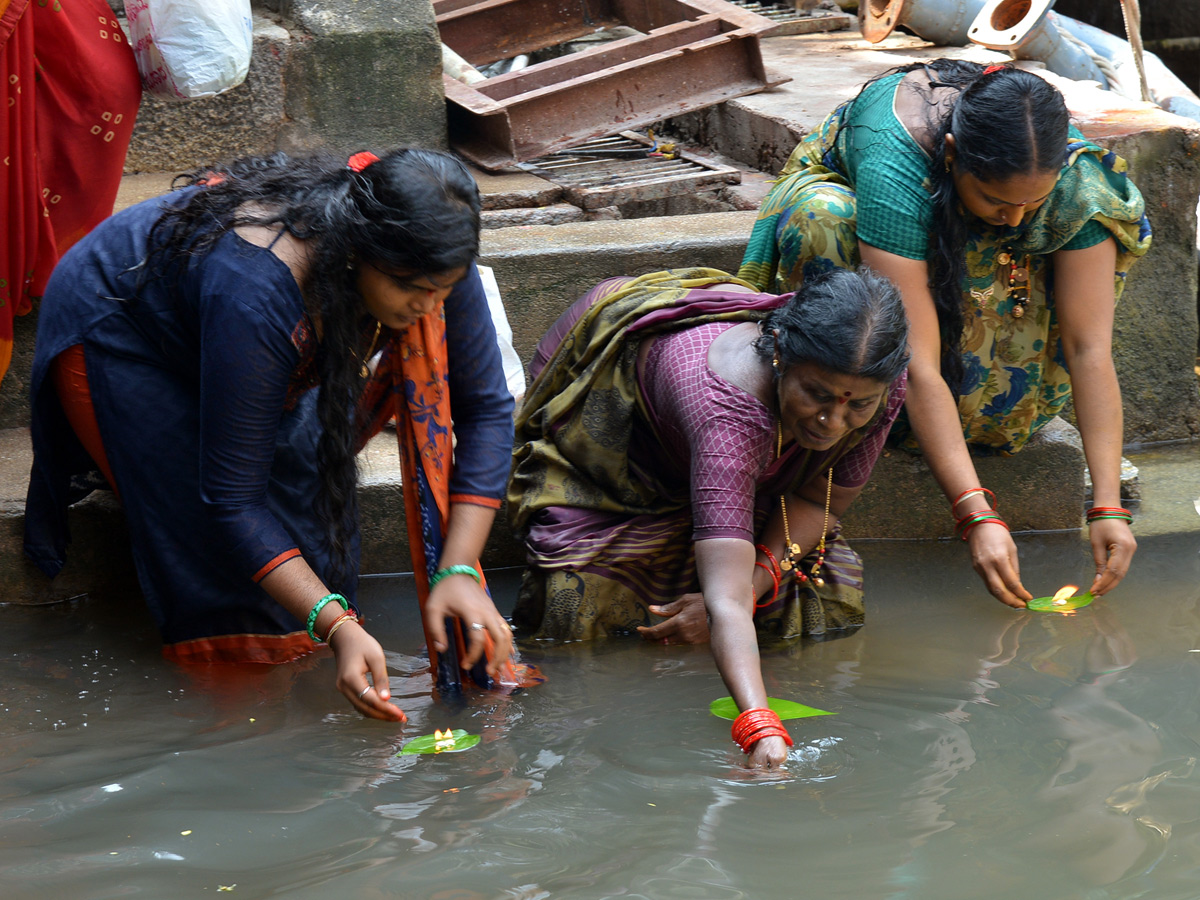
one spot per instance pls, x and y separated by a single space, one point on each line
363 693
477 626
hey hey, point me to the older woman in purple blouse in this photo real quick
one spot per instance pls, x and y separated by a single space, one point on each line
685 451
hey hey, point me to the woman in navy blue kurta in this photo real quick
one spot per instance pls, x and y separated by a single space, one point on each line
203 368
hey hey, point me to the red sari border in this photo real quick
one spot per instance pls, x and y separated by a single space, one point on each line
271 649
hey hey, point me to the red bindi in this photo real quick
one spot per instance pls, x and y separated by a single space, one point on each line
844 398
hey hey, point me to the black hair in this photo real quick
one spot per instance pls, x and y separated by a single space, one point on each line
1005 122
850 322
411 209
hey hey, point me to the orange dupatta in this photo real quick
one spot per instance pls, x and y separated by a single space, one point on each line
420 388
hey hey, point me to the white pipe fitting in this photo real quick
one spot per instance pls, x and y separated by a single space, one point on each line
1027 30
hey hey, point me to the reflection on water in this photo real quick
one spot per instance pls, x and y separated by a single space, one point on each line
976 753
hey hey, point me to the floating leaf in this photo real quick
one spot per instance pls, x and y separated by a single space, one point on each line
1064 604
428 743
725 708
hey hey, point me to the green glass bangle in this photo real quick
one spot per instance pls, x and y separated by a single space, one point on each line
1128 519
453 570
316 611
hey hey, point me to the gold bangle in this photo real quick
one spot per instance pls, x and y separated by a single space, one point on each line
341 620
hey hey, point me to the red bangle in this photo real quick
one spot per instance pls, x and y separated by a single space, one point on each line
977 514
774 591
750 721
967 523
775 570
755 724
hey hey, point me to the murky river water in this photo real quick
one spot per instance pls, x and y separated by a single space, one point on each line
976 752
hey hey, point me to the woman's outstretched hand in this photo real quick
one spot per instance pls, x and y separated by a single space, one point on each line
686 621
358 655
994 556
1113 546
463 597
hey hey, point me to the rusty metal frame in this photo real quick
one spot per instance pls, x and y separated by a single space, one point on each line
689 54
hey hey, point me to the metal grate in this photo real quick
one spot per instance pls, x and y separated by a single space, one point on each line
620 168
789 20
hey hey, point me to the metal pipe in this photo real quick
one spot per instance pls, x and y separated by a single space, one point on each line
998 24
459 69
942 22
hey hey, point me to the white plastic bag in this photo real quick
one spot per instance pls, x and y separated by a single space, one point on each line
190 49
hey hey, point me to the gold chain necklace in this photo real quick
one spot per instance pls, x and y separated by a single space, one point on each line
791 552
365 370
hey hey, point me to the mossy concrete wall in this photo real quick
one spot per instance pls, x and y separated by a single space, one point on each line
365 74
1156 329
342 74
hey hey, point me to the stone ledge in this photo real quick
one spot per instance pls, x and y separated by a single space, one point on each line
542 269
1044 492
1041 490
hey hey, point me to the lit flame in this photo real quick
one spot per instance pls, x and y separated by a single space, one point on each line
1067 590
443 740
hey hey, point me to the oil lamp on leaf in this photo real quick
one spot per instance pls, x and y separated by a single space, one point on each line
449 741
443 740
1064 601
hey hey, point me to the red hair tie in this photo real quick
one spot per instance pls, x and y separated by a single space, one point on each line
990 69
361 160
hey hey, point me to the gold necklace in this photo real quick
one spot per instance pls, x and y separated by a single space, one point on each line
792 551
1018 281
365 370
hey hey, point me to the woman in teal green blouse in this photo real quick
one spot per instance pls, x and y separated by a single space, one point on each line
1009 236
